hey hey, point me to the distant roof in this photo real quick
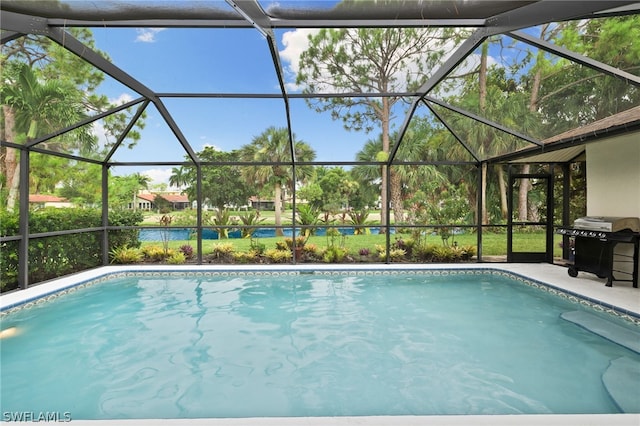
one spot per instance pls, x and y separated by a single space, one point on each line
625 119
571 144
175 198
44 198
172 198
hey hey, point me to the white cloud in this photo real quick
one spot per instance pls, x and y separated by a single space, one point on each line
122 99
295 42
158 176
98 130
148 35
209 145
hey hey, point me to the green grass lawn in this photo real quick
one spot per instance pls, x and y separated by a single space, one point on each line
493 244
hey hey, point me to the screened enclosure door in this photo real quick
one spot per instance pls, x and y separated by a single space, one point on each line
530 220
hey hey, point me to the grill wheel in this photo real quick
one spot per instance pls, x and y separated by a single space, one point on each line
573 271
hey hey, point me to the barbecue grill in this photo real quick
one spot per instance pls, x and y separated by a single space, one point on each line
596 239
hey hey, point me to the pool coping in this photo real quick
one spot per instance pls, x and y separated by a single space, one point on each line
527 273
537 275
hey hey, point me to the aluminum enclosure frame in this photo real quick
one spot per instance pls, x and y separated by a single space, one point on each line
21 18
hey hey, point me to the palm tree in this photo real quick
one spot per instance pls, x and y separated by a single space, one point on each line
368 175
405 178
141 182
179 177
32 109
410 179
272 149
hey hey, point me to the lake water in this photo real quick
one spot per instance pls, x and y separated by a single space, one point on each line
209 234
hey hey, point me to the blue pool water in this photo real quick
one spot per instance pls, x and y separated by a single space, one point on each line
307 345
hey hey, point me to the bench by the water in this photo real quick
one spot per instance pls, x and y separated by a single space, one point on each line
616 333
622 377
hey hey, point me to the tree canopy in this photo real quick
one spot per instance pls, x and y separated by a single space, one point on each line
525 89
271 150
222 184
370 60
45 88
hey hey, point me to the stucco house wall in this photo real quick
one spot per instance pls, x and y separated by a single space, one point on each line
613 182
613 177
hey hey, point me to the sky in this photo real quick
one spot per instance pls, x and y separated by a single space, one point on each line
217 61
214 61
233 60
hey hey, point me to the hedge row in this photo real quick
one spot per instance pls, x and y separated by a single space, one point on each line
51 257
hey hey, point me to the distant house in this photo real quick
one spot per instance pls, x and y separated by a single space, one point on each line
178 201
43 200
143 201
146 201
262 204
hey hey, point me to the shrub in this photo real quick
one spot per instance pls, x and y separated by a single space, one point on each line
468 252
154 253
310 249
397 254
9 225
257 246
246 256
176 258
404 244
125 255
249 218
456 253
222 218
399 243
381 252
187 251
8 265
124 237
307 215
222 250
424 252
358 218
333 232
334 254
301 240
282 245
443 254
60 255
364 251
51 257
278 256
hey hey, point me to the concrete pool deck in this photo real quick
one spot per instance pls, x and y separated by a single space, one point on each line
622 296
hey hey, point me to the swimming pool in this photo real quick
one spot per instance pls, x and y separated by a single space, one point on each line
358 321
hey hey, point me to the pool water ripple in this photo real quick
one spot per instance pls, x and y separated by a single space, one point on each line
150 347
